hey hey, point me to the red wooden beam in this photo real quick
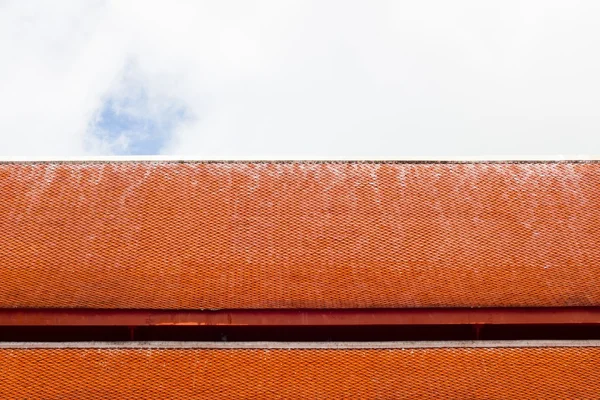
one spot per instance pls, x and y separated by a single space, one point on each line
303 317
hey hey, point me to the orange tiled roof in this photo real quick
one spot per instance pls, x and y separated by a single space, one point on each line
482 373
170 235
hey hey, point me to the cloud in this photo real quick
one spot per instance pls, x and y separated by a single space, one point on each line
134 119
300 79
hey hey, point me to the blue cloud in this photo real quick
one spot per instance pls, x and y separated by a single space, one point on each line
134 124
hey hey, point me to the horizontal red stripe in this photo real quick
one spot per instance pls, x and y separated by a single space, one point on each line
498 316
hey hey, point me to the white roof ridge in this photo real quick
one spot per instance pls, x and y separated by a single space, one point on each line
420 159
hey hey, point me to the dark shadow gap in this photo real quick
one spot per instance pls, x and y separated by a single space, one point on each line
299 333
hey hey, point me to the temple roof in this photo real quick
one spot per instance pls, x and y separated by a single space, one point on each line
255 235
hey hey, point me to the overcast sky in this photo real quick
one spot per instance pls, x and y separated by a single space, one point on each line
299 79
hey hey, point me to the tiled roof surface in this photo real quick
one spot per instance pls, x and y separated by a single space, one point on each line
299 235
442 373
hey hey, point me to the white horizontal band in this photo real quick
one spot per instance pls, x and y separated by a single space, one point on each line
478 159
301 345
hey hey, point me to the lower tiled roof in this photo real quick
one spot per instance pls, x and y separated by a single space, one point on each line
436 373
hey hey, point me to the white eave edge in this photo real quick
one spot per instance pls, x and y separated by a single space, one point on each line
180 158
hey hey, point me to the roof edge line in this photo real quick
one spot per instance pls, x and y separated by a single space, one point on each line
192 159
302 345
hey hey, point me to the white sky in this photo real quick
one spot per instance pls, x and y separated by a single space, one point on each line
299 79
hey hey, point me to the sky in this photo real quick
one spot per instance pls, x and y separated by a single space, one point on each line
299 79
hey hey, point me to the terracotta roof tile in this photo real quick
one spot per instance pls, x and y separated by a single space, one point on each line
299 235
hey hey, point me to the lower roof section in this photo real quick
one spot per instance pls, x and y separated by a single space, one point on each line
158 372
329 235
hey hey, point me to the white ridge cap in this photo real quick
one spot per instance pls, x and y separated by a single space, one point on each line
421 159
302 345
